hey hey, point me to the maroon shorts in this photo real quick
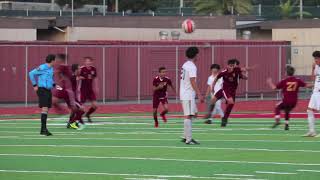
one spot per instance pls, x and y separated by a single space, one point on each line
286 106
62 94
87 96
156 101
224 94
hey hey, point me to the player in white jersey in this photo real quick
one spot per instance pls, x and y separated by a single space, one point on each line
188 92
314 103
215 69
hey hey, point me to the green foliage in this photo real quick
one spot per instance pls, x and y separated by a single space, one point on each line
223 7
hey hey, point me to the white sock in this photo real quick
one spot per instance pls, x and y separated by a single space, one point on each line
311 121
220 112
188 129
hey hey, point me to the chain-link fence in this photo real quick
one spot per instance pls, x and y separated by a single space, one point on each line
125 72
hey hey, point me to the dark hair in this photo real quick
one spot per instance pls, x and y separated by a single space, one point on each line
316 54
232 61
62 57
162 68
88 57
50 58
290 70
74 67
192 52
237 62
215 66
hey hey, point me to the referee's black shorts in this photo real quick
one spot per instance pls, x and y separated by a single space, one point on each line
45 97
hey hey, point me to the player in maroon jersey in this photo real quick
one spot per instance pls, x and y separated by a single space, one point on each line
76 116
160 86
231 77
89 85
63 89
290 89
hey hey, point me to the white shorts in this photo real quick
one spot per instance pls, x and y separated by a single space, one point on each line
189 107
314 102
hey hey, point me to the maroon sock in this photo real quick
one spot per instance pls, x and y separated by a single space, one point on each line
164 112
228 111
78 116
71 118
277 114
90 111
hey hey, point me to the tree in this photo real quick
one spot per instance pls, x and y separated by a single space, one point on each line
288 9
223 7
138 5
77 3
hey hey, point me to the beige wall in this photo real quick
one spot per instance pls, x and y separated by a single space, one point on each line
143 34
18 34
301 56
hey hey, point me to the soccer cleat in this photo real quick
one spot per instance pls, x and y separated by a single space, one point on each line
164 118
183 140
81 127
208 121
89 118
192 142
224 122
286 127
156 124
46 133
310 134
73 126
276 124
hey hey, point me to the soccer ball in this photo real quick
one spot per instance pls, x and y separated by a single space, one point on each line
188 26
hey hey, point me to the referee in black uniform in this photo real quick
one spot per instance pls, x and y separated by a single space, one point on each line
42 81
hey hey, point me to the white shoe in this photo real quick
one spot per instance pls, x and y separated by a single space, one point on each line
310 134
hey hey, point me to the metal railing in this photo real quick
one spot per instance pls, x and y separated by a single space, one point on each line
126 71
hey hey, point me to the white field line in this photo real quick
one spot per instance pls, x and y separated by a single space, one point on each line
145 139
114 174
162 159
143 179
207 129
235 175
278 173
158 147
102 133
308 170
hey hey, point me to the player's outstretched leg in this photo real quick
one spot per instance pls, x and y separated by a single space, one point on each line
155 118
277 116
311 122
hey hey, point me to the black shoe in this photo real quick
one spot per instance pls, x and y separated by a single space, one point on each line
68 126
224 122
89 118
192 142
286 128
208 122
276 124
183 140
46 133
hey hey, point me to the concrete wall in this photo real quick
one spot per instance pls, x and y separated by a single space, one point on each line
301 57
145 34
7 34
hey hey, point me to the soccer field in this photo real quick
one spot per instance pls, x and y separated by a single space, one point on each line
128 147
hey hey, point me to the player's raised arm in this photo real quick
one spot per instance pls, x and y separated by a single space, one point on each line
271 84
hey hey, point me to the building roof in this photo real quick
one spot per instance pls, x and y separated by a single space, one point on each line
202 22
284 24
